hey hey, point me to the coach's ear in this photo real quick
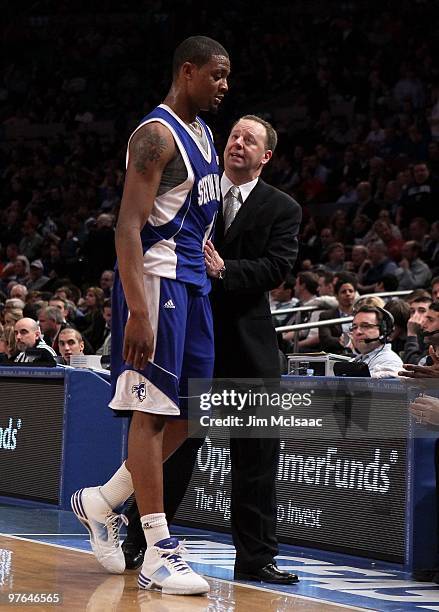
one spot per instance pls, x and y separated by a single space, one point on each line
267 156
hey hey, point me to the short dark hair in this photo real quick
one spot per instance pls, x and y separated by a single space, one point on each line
345 280
390 282
310 280
327 276
271 134
434 280
418 295
400 311
197 50
434 306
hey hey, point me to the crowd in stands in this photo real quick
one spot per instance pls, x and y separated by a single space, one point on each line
353 92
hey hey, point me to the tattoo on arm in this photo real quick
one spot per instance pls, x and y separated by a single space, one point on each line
148 147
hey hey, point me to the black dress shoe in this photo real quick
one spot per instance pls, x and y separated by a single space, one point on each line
269 573
133 554
426 575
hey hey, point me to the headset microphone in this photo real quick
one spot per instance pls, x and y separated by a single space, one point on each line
432 333
369 340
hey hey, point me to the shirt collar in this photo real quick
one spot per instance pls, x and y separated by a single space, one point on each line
245 189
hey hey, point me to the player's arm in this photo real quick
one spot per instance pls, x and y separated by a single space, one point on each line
151 148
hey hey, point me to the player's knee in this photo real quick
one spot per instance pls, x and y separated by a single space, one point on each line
149 422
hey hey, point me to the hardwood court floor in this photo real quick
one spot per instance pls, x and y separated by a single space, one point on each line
33 567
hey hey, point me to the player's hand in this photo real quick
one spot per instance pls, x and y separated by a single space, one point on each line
138 343
213 261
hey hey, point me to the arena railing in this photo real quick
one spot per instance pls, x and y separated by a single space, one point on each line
314 324
294 309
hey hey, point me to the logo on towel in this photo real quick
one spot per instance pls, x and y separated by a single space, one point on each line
140 391
169 304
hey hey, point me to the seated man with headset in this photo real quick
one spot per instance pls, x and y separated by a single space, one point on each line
370 333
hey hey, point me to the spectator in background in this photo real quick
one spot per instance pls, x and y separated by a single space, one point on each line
31 345
21 270
37 278
418 231
387 284
105 348
92 325
382 230
380 265
51 322
70 343
416 345
435 288
283 297
61 305
106 282
335 338
8 348
18 291
11 303
431 248
31 243
359 263
335 258
400 311
306 292
420 198
412 271
365 204
11 316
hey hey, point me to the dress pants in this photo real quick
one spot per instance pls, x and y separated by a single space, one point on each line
254 467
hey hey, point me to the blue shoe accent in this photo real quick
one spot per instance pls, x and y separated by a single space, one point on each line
167 543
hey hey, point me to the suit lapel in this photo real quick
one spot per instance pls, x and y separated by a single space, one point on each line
254 200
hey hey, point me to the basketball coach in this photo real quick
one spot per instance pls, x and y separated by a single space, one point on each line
255 247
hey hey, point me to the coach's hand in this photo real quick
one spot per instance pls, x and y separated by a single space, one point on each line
138 343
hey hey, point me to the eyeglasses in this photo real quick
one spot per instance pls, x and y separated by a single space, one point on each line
363 326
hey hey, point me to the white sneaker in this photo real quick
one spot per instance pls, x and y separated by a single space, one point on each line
164 568
103 525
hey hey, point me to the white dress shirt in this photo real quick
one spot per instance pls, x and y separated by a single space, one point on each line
244 189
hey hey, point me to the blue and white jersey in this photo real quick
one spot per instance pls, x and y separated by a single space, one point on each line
182 218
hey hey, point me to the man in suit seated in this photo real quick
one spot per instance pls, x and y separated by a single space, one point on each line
334 338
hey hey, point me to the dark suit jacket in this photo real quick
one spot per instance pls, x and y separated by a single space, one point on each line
259 249
329 336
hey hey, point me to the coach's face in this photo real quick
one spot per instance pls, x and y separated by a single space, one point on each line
246 153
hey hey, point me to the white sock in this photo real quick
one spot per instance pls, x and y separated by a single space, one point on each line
155 528
118 489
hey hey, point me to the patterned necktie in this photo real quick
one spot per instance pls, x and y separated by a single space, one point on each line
232 203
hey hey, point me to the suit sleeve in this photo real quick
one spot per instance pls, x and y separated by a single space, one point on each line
269 270
328 341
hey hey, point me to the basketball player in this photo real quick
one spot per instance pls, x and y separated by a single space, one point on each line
161 324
